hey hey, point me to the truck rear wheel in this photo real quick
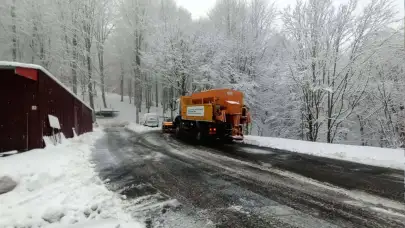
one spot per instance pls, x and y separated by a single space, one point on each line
199 136
178 131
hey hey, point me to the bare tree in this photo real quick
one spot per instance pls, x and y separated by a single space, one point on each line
14 30
328 50
157 92
122 78
88 27
104 27
130 90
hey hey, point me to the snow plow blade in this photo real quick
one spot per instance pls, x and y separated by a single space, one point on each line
238 138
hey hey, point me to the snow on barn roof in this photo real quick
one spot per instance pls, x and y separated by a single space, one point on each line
38 67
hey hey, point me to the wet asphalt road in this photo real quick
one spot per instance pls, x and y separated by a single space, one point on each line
171 183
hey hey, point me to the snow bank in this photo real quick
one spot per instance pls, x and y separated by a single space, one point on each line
58 187
6 184
139 128
106 223
390 158
8 153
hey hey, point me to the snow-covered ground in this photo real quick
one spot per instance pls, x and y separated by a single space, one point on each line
58 187
139 128
127 111
382 157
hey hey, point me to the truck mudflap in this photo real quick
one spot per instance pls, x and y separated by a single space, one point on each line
168 127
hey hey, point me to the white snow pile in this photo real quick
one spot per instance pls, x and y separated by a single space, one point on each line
7 184
8 153
58 187
382 157
139 128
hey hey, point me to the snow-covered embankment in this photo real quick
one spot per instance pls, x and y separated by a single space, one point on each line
382 157
58 187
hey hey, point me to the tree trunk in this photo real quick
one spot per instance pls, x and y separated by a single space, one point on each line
310 126
164 101
130 90
140 90
302 126
401 125
137 92
381 139
329 122
74 63
94 90
14 29
172 102
89 72
42 52
67 50
146 83
122 83
136 102
157 93
149 102
134 92
103 89
83 77
362 135
102 75
138 82
33 44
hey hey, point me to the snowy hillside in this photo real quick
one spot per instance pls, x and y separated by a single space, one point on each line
127 111
58 187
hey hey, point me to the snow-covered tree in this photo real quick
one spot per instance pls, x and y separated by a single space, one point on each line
319 71
328 49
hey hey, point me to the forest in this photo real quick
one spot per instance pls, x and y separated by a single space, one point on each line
318 70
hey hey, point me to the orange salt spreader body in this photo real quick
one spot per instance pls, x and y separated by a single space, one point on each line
219 114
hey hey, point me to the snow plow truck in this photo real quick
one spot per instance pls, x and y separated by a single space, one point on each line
218 114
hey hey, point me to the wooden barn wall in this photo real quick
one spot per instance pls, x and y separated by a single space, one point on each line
25 107
56 101
19 121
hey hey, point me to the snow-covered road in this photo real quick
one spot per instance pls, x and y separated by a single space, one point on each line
170 183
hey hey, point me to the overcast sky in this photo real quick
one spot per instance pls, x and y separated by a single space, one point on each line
200 8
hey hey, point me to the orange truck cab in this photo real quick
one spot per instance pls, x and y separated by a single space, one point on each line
219 114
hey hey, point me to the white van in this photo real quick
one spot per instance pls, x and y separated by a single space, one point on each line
150 120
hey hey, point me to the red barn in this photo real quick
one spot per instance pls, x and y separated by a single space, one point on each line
28 94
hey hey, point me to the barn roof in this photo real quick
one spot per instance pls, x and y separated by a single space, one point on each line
5 64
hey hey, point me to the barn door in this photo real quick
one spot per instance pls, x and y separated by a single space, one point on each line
76 120
12 117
